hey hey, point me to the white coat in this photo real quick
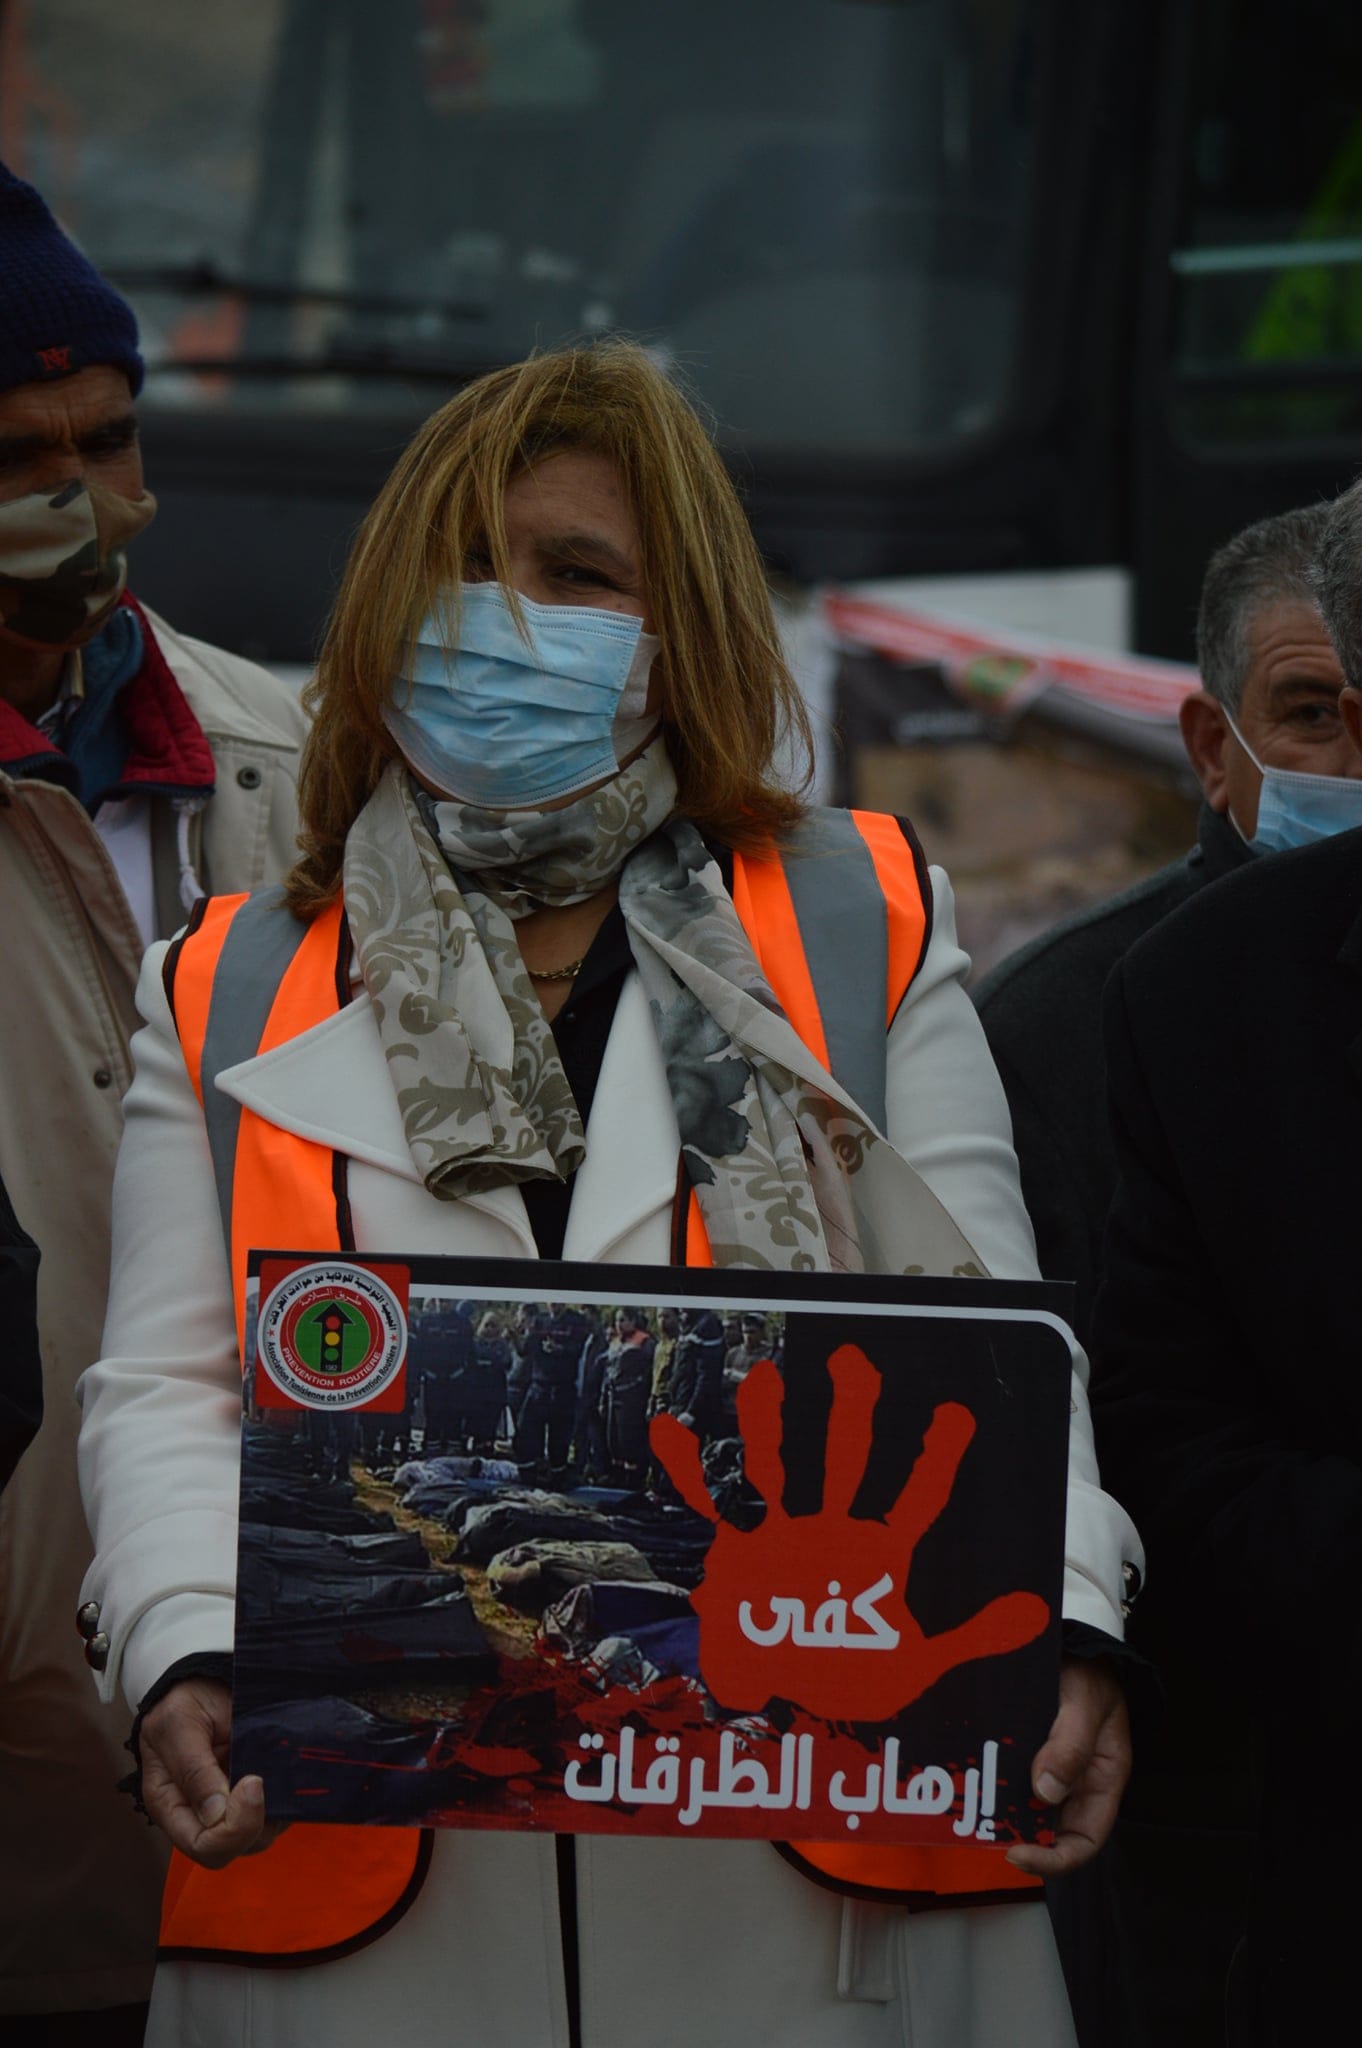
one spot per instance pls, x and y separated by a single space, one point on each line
719 1943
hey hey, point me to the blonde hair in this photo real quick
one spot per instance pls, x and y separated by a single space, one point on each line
728 696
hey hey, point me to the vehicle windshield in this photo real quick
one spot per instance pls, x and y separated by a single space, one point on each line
815 209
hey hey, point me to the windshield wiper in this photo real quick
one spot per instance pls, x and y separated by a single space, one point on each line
200 278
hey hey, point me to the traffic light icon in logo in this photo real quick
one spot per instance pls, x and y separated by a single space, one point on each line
333 1337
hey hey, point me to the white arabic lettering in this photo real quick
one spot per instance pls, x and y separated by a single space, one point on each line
828 1629
576 1787
988 1794
853 1805
741 1781
969 1818
744 1781
784 1612
662 1781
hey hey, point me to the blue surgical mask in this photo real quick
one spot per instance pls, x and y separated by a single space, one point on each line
508 726
1295 809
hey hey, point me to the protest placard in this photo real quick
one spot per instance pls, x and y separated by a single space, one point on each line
672 1552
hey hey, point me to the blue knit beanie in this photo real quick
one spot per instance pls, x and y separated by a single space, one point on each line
57 315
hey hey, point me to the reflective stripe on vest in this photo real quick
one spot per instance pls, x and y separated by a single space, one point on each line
840 913
272 970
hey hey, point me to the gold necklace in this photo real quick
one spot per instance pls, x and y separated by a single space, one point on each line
568 973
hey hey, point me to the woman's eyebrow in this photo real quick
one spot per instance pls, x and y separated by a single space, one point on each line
592 547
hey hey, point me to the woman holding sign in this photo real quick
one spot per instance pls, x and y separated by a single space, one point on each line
559 925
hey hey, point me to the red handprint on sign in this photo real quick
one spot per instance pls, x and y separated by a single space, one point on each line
812 1608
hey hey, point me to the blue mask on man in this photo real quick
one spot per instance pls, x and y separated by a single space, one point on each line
1296 809
509 725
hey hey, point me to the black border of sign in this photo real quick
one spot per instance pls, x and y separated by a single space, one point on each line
578 1280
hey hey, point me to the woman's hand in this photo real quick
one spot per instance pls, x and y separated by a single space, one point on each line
184 1743
1081 1768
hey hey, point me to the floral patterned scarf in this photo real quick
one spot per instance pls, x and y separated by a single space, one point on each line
789 1173
432 892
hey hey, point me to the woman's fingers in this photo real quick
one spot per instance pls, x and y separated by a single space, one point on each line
184 1786
237 1831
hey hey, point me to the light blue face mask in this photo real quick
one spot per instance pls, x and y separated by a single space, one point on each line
1295 809
494 722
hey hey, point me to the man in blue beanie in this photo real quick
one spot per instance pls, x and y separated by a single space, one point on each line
138 769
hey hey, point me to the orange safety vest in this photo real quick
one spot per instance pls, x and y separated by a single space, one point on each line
841 912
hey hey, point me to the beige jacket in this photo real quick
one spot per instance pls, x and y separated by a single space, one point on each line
80 1872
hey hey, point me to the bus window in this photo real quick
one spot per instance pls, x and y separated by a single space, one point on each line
1267 264
816 209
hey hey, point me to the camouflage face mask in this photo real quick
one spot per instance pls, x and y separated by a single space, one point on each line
62 565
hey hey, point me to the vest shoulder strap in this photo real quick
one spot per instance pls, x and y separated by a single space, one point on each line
840 920
246 977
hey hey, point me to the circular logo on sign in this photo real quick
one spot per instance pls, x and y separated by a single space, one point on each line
332 1336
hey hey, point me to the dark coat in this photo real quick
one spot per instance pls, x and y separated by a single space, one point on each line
1147 1932
1227 1383
627 1383
21 1372
696 1387
484 1387
1042 1014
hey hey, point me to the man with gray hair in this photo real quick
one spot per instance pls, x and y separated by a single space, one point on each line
1225 1369
1268 746
1267 714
